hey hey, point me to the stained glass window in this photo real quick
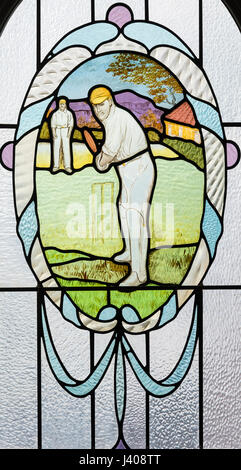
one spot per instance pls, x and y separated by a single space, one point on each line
120 256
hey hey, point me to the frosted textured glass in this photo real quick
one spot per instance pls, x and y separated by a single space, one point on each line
101 342
18 54
106 429
59 17
174 419
221 56
226 266
72 343
166 344
65 419
14 270
18 384
101 7
106 432
221 369
6 135
181 16
138 343
135 416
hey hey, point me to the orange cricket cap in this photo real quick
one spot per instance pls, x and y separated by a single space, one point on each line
99 94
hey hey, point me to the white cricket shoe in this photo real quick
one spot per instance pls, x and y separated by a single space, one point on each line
123 258
133 280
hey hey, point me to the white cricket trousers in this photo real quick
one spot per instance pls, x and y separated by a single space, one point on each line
137 183
62 136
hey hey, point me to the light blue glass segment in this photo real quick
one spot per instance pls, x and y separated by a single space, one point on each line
211 227
153 35
129 315
70 311
89 36
94 379
120 383
125 344
28 226
52 357
107 314
149 384
169 311
179 372
206 115
32 117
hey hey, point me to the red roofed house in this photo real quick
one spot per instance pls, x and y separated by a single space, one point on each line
181 123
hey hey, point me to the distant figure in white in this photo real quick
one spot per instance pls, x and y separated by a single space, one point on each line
126 147
62 123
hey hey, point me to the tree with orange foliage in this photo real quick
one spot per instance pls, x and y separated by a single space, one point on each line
131 67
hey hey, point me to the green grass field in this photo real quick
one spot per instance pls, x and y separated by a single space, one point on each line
166 265
190 151
80 232
179 187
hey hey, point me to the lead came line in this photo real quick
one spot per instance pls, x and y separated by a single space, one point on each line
199 300
92 365
98 288
201 32
146 10
147 395
92 11
8 126
38 34
39 366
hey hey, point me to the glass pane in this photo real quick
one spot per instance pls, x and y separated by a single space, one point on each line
221 369
18 362
174 420
229 253
58 17
175 15
221 46
18 45
72 346
11 253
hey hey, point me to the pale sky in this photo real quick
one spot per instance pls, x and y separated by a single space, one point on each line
93 72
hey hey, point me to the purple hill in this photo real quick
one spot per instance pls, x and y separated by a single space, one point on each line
137 105
140 107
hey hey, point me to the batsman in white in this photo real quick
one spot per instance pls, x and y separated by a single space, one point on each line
62 123
126 147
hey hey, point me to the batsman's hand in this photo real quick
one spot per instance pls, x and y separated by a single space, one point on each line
102 161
